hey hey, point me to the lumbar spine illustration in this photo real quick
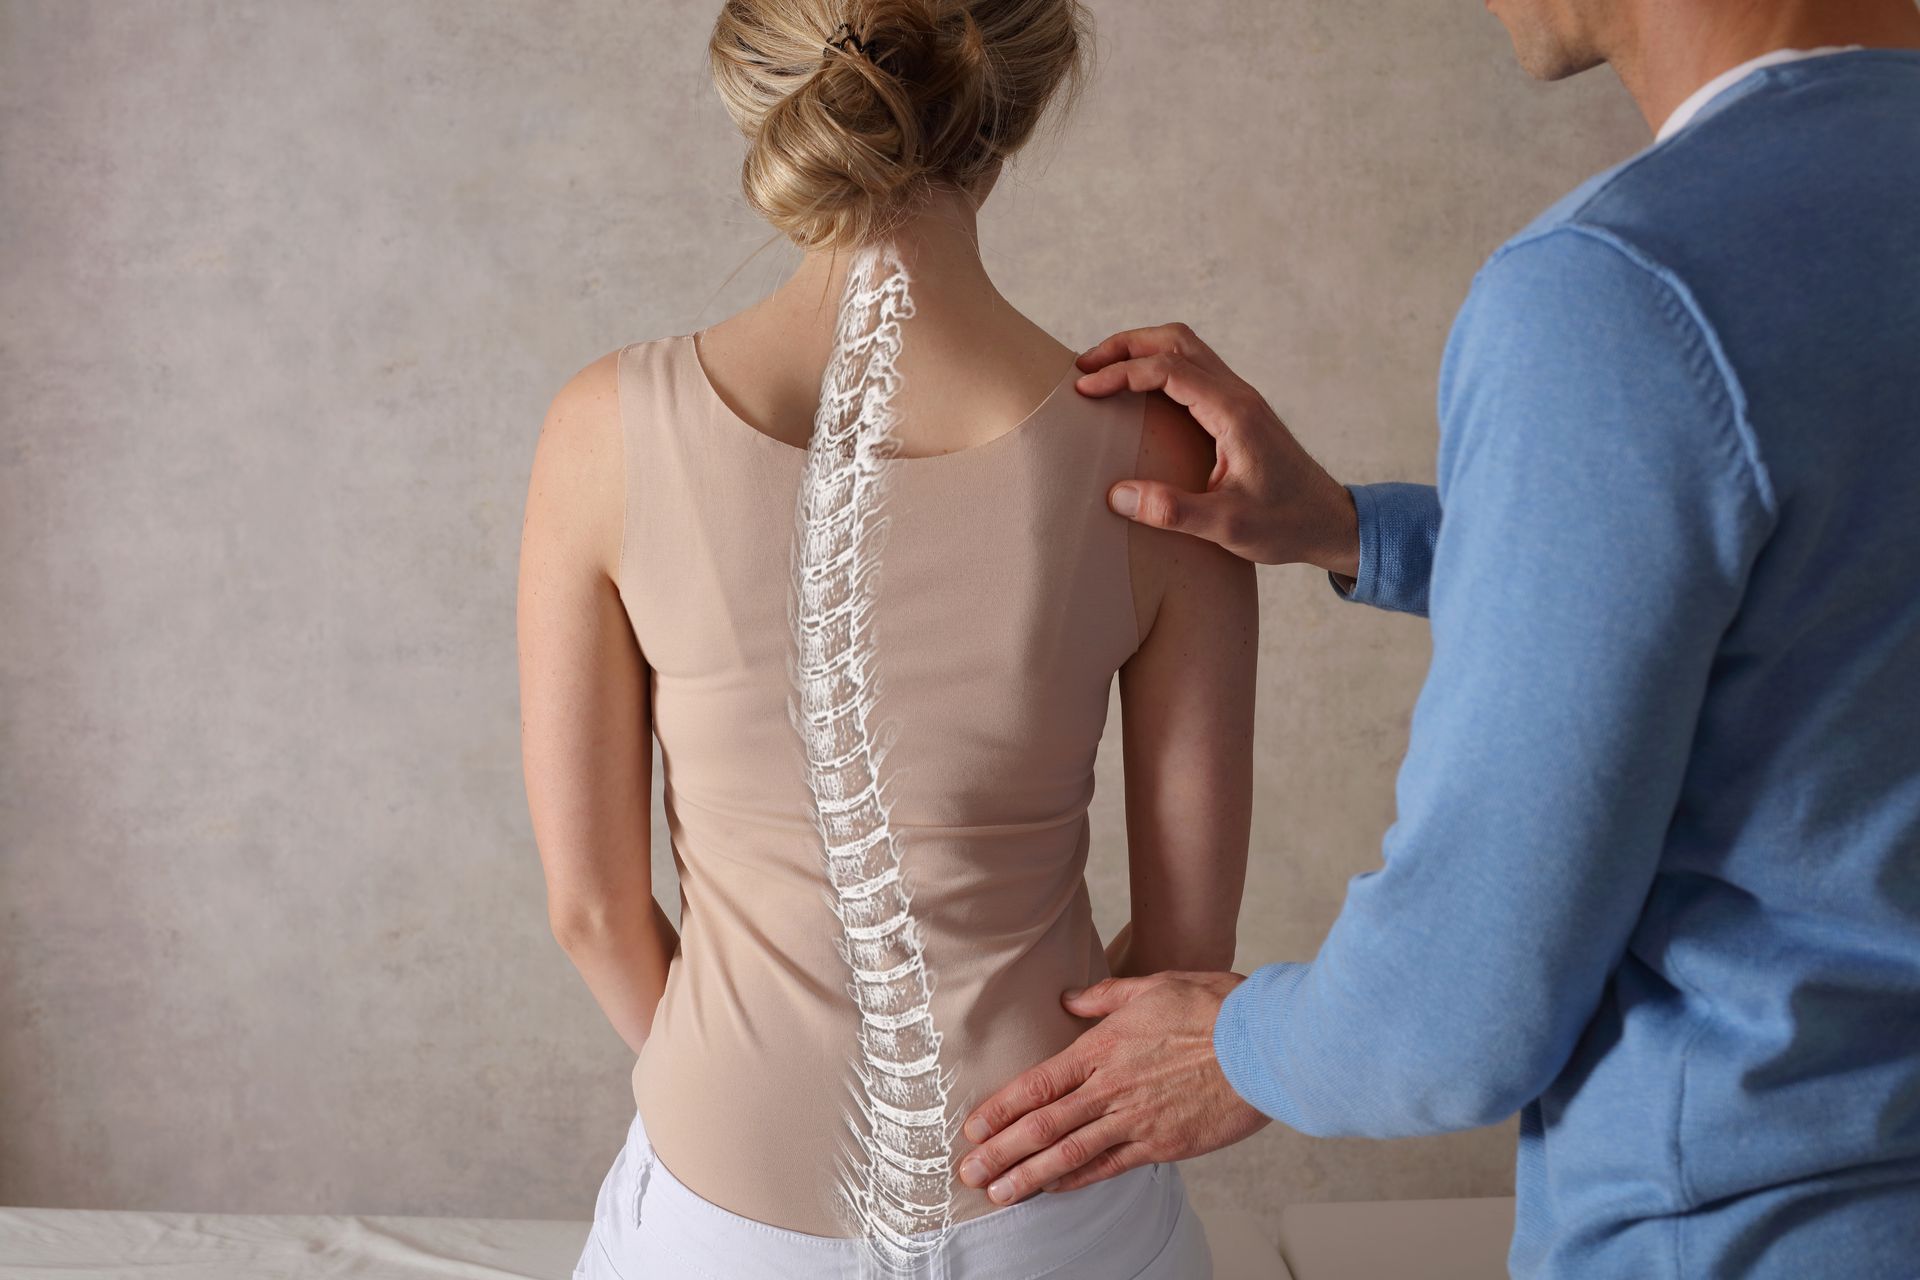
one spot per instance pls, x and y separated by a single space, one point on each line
894 1182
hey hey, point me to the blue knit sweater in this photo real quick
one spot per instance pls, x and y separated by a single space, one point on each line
1655 877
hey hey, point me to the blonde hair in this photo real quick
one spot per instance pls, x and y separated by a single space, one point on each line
845 138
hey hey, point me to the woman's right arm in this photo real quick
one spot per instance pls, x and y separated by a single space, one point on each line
1187 725
583 709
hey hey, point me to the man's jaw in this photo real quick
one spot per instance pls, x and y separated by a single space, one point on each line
1542 51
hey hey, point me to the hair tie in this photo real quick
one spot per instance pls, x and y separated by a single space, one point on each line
841 41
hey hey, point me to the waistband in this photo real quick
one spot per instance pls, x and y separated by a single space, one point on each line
1128 1219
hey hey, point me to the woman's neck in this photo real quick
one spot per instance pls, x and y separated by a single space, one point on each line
940 245
974 363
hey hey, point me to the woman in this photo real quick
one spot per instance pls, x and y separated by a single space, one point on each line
664 589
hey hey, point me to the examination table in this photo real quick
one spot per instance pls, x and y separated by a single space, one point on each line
1408 1240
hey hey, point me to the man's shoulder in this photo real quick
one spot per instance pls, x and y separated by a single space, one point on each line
1752 154
1653 187
1569 210
1600 217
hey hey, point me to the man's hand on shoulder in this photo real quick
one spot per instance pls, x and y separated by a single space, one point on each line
1267 499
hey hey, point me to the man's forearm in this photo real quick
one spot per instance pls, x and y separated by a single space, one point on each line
1397 526
1331 540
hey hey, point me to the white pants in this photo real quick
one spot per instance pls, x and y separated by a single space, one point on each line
648 1225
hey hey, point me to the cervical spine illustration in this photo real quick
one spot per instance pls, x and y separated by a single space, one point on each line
894 1182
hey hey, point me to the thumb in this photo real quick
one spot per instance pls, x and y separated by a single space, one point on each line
1164 507
1103 997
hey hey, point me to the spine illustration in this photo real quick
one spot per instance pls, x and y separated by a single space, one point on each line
894 1183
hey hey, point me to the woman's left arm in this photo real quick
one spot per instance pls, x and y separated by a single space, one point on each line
583 709
1187 701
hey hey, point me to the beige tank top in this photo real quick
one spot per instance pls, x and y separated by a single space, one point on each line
1005 609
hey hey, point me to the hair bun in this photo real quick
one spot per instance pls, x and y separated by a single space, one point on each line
845 138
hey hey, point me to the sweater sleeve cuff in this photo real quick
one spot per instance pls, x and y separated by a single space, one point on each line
1248 1035
1399 524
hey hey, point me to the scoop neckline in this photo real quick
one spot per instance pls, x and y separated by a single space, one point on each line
799 452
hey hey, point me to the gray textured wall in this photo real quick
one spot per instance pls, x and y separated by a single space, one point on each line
287 290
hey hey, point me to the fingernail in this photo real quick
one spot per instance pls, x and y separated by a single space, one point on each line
1051 1185
1001 1191
976 1130
971 1171
1125 500
1073 993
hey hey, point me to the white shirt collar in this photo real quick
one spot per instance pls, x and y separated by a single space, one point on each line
1686 111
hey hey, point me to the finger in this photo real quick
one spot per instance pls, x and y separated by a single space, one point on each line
1035 1087
1111 1163
1216 398
1031 1134
1204 515
1103 997
1073 1152
1129 344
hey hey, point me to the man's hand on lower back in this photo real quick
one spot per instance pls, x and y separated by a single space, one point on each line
1267 501
1141 1086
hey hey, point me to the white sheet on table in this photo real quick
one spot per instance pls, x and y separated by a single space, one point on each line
84 1244
90 1244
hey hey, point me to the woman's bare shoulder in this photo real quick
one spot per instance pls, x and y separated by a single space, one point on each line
576 492
585 399
1174 449
583 418
1178 452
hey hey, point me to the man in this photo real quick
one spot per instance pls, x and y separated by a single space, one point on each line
1655 878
